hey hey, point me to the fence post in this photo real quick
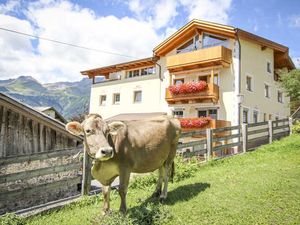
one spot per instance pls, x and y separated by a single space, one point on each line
86 174
208 143
245 136
290 125
270 131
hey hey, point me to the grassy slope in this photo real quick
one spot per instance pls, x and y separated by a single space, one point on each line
261 187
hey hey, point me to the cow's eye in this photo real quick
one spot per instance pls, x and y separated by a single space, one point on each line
88 131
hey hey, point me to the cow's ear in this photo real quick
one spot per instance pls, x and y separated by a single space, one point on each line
74 128
114 127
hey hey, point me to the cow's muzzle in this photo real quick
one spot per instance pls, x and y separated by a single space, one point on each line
104 153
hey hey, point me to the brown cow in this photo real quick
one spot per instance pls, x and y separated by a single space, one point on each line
119 148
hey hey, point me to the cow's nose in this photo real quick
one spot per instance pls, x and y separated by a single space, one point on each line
104 152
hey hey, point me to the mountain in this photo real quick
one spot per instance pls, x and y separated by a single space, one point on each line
69 98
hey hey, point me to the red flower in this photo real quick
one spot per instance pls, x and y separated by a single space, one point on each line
195 123
188 88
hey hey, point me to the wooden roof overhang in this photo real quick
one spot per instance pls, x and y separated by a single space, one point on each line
104 71
281 52
188 31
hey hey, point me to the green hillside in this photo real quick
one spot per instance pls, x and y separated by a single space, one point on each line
69 98
260 187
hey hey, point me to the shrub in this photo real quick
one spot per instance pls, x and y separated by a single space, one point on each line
296 127
11 219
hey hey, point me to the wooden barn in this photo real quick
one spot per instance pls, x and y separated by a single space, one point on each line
36 157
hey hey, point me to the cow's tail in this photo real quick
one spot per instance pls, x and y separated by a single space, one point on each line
172 172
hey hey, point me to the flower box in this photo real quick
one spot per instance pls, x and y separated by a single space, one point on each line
188 88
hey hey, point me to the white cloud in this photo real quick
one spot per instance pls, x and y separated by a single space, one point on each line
211 10
296 61
70 23
294 21
67 22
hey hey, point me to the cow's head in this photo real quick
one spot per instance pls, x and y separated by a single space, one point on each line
96 134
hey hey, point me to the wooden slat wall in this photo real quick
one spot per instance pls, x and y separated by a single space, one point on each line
21 135
36 154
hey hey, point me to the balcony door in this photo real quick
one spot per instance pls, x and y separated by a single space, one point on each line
213 113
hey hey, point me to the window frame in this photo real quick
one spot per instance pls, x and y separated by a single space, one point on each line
280 101
101 101
176 111
251 83
114 99
269 63
134 96
248 114
255 111
269 90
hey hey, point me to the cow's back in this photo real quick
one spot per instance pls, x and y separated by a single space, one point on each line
149 143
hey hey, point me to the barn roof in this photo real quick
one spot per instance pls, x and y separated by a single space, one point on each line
20 107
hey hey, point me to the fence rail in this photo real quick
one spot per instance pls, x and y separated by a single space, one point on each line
221 142
38 178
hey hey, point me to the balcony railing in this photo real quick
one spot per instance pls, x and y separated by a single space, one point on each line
211 93
218 55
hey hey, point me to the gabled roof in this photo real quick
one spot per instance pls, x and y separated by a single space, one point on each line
45 108
188 31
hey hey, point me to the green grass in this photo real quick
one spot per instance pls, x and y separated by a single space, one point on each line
260 187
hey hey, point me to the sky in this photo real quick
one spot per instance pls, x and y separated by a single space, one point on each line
123 30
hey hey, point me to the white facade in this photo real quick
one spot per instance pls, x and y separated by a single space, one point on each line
249 59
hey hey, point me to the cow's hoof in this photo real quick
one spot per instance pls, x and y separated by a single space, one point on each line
162 199
106 212
156 194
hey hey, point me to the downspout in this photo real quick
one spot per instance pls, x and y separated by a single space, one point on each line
154 59
239 77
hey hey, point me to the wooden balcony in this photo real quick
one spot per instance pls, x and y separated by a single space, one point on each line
210 94
214 56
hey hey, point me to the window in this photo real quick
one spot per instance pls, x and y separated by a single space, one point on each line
102 99
255 116
267 91
137 96
245 115
212 40
147 71
178 113
270 116
213 113
178 81
116 98
269 70
151 70
202 78
265 117
249 83
202 113
191 45
279 96
142 72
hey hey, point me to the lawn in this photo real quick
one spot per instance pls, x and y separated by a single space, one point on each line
260 187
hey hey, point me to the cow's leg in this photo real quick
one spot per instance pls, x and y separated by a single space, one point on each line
106 193
157 191
164 192
123 186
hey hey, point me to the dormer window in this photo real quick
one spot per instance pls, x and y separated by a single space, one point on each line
191 45
212 40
